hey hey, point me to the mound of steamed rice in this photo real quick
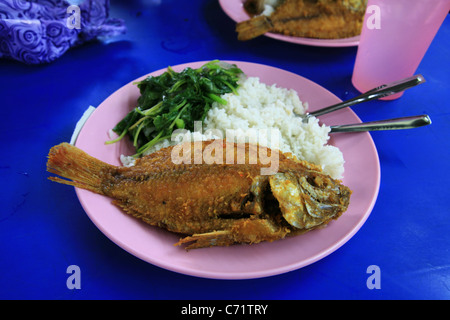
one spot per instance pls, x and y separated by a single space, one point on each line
270 112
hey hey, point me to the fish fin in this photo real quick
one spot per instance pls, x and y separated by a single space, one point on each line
209 239
253 28
243 231
82 170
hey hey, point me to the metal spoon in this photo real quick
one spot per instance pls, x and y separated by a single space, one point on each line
376 93
390 124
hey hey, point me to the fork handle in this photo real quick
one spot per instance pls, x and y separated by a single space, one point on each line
390 124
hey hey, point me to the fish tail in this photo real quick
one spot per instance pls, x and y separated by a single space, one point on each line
253 28
82 170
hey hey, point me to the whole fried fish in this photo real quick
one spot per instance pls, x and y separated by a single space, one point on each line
213 203
323 19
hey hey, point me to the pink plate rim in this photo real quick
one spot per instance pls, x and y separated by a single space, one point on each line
155 246
235 10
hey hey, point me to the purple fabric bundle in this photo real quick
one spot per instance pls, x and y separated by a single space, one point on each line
40 31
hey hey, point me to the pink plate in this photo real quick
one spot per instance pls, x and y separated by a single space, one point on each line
154 245
235 10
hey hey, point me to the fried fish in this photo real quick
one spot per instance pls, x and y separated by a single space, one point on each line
322 19
211 203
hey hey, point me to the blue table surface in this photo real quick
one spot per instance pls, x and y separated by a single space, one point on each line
43 228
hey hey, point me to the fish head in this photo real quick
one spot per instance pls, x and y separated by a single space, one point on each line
308 200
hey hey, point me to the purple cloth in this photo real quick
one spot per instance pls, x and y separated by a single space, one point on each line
40 31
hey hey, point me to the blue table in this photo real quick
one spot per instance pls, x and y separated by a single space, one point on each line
44 230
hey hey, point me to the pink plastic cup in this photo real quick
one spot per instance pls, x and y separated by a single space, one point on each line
395 37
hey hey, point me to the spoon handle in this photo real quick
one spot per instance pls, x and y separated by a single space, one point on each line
376 93
390 124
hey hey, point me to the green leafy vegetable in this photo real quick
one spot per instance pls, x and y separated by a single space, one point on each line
174 100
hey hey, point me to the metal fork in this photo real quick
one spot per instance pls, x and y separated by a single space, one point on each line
376 93
390 124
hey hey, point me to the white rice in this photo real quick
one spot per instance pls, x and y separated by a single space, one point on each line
260 106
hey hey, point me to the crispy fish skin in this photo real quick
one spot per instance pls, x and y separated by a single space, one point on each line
322 19
213 204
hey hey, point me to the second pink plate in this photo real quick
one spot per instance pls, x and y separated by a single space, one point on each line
235 10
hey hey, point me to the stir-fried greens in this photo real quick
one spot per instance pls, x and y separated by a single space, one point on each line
174 100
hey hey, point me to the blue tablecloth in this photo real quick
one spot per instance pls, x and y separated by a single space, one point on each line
44 230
